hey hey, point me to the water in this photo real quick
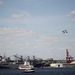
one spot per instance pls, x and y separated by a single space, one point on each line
44 71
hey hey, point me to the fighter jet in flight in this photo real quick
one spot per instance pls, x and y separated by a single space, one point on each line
65 31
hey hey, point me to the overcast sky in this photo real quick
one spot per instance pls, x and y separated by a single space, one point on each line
34 27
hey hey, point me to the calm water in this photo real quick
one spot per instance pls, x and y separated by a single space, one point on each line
46 71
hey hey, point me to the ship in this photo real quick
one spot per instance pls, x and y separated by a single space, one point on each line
26 67
5 63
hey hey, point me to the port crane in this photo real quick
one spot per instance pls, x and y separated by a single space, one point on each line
69 58
18 57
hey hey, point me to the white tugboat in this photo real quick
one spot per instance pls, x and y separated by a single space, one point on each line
26 67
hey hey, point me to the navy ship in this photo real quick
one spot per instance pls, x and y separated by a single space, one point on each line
6 63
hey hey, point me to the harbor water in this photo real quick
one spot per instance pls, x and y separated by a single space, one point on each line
40 71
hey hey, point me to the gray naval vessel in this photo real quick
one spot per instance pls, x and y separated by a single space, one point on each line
7 63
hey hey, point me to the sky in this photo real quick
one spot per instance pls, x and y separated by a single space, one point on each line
34 27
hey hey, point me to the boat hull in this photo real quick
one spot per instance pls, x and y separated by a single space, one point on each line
4 66
28 71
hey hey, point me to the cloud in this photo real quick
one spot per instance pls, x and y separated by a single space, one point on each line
27 18
45 41
38 20
15 39
17 15
72 15
1 2
16 32
26 37
21 14
72 12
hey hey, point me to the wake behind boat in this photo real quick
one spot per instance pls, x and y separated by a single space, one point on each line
26 67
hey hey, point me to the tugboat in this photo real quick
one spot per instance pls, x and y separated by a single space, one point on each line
26 67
